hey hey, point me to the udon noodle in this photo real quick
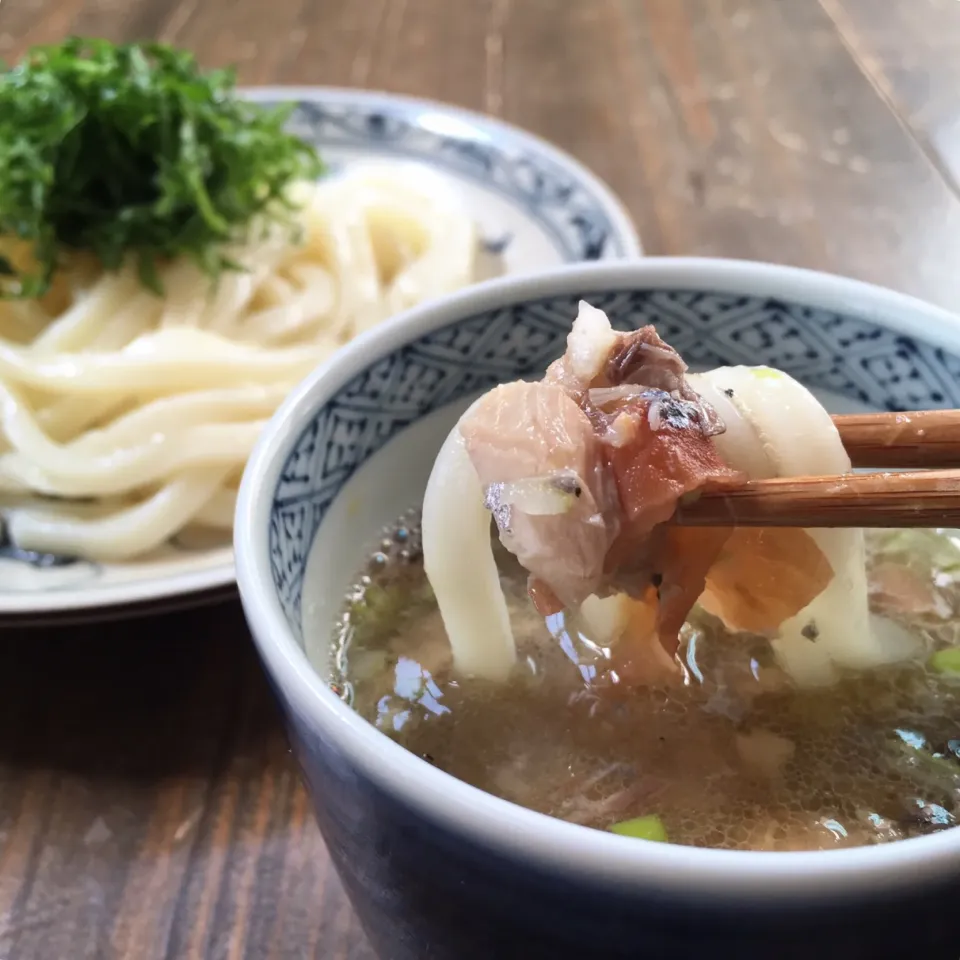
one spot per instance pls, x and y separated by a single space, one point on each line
581 469
126 417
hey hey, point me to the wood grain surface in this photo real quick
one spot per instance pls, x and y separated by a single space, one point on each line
149 807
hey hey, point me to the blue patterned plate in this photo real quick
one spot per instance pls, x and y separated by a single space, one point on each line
536 207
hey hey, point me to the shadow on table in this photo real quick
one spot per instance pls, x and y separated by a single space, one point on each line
141 700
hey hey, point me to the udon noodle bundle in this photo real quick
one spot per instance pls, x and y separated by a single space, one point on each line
580 472
126 417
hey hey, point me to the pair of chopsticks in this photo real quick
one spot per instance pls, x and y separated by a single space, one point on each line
915 498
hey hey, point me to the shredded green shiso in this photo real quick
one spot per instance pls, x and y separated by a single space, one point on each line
132 151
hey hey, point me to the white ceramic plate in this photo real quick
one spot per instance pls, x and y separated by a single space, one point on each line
536 207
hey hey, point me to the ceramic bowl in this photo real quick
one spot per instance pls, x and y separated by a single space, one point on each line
438 870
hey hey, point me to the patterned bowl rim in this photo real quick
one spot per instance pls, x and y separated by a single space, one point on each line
492 129
601 858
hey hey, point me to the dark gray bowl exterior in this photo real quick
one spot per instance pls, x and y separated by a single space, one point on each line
423 892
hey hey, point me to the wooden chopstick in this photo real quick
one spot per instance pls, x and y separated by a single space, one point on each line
924 438
929 498
923 498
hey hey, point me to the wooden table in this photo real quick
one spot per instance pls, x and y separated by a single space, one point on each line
149 807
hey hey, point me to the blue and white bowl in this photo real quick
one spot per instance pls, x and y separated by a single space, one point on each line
438 870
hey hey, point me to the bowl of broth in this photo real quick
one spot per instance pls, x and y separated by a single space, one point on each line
500 768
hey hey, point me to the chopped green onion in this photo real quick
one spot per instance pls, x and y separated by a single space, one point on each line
642 828
766 373
946 661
